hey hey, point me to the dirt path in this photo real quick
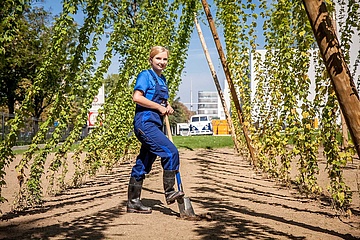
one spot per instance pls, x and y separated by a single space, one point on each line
231 200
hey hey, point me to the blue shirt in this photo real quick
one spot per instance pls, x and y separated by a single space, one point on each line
145 83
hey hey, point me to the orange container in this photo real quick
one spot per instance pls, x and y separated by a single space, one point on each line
220 127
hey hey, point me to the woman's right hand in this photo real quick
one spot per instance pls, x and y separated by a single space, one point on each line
140 99
162 110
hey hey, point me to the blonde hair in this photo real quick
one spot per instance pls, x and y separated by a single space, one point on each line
156 50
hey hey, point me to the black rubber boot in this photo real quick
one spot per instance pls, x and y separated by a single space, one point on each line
134 204
169 181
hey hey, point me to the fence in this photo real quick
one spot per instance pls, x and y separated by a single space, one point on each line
30 128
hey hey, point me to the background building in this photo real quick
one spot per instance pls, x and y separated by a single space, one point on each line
209 103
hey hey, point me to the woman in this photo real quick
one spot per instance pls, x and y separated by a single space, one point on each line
151 98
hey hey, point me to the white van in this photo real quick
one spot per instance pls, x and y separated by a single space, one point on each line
200 124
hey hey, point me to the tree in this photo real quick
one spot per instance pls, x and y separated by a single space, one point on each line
181 113
10 11
22 58
110 83
12 26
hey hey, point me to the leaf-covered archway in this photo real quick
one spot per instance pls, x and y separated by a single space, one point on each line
129 29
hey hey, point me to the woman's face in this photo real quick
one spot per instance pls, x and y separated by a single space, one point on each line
159 61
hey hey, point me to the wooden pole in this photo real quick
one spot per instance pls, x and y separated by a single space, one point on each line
336 66
217 84
228 78
168 130
345 137
344 129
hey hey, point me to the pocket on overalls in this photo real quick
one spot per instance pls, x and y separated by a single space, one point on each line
141 136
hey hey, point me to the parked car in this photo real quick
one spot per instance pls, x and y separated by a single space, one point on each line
200 125
182 129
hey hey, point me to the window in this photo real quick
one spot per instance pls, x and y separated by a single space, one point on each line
195 119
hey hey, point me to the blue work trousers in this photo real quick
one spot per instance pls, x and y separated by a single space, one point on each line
154 143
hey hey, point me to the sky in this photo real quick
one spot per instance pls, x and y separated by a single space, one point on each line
196 75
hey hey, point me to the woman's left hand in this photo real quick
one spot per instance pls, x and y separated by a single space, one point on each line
169 109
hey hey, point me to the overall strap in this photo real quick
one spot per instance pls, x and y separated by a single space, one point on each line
154 77
163 103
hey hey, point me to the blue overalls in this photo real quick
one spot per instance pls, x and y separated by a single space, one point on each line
148 129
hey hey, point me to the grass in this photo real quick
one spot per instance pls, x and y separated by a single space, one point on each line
203 141
21 149
187 142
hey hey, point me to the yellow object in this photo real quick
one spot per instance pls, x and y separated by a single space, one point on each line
220 127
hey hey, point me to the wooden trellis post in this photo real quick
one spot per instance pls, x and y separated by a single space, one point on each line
228 78
336 66
217 84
